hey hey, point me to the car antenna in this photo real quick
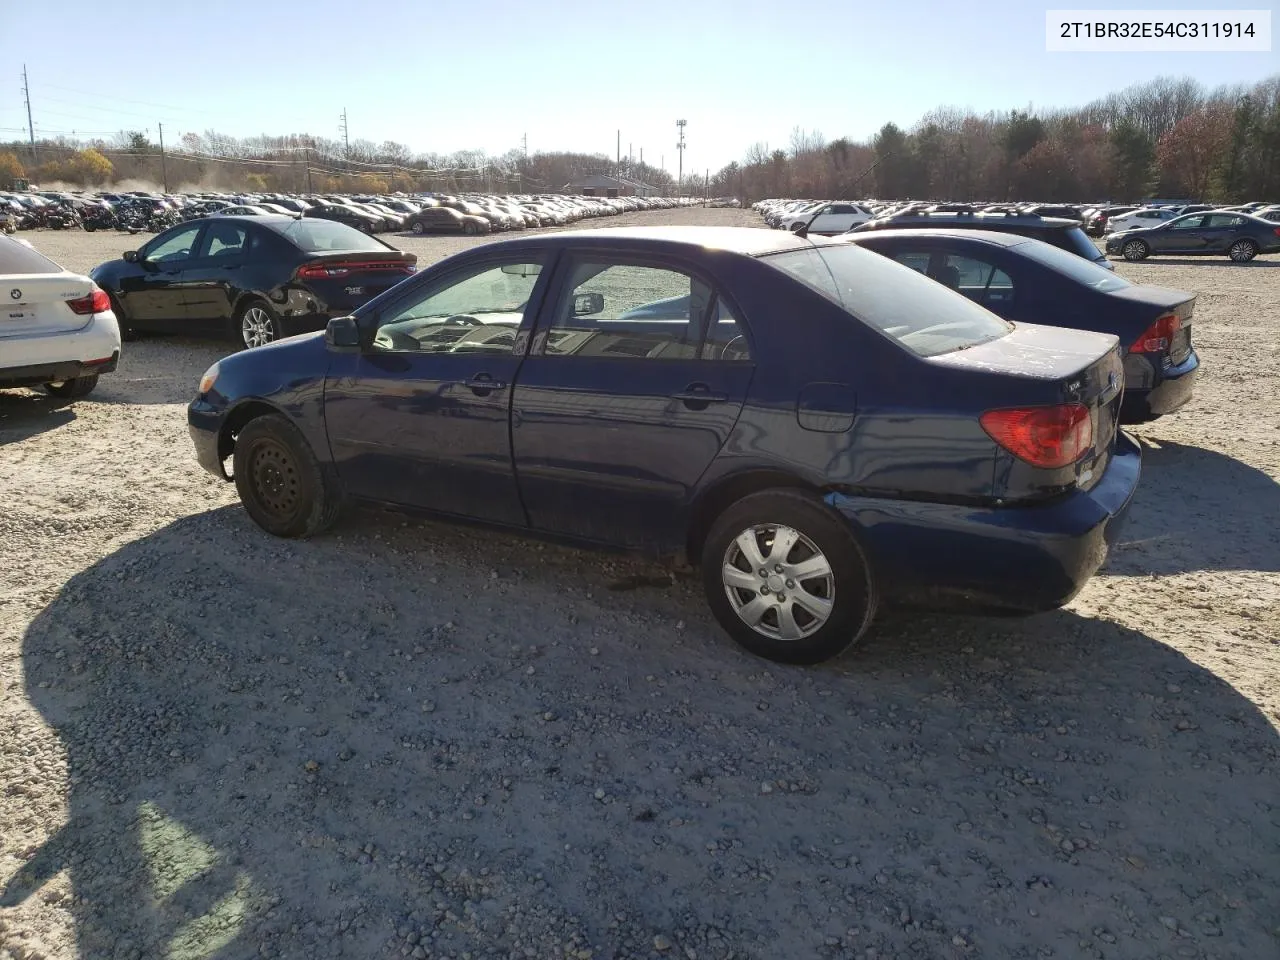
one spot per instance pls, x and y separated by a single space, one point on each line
803 232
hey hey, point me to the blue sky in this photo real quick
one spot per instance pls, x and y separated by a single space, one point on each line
443 75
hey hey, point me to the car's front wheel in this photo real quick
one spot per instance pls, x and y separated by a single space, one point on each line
72 389
418 228
786 577
1242 251
280 481
1135 250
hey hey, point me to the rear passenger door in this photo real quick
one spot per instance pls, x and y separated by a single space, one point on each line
636 375
214 277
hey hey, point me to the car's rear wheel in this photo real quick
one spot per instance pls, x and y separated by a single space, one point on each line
256 325
280 481
469 229
1242 251
418 228
786 577
1136 250
72 389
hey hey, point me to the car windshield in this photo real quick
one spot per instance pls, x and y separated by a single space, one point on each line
17 259
321 236
1077 268
919 313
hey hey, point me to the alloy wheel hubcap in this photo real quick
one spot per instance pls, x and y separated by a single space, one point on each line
1240 251
778 582
1134 249
256 328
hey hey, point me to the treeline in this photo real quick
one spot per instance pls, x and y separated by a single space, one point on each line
1169 137
299 163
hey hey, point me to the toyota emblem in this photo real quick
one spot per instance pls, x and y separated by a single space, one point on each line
15 294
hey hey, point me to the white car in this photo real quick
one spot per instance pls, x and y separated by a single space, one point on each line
828 220
56 327
1136 219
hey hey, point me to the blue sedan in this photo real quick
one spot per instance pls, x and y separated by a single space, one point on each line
818 428
1026 280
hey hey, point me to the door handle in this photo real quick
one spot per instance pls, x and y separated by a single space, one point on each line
482 383
699 393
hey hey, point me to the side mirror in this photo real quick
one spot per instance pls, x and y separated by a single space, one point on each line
131 256
586 304
342 333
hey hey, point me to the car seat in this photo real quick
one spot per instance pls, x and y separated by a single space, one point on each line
948 276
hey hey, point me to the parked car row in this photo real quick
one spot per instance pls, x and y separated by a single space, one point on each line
437 213
1240 233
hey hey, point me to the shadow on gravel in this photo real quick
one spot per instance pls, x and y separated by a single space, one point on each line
1217 260
160 369
410 735
1198 509
25 414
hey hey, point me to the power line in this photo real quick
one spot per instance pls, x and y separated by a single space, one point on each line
102 96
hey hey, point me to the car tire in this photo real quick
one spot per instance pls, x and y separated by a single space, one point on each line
72 389
281 484
418 228
266 325
469 229
1134 250
1242 251
823 614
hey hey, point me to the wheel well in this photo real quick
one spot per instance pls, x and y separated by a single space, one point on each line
728 492
236 421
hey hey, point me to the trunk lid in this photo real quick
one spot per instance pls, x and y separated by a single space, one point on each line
1044 367
37 303
1158 302
346 281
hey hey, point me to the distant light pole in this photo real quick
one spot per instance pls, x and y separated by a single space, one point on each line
680 125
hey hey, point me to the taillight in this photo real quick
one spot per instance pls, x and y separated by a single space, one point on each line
331 270
96 302
1049 437
1158 336
1276 231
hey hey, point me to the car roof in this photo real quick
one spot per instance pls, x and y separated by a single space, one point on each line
749 241
942 216
991 237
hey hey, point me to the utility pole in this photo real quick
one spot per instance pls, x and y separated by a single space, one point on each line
346 139
706 186
618 159
306 159
680 125
31 127
164 166
524 142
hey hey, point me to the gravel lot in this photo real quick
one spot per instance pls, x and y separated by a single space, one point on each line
411 739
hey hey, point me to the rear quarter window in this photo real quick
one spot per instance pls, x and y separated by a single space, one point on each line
317 235
921 315
19 259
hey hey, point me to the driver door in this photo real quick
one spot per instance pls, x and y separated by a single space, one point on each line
152 293
421 415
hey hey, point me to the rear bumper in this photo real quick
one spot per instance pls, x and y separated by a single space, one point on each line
34 375
30 360
1020 559
1171 390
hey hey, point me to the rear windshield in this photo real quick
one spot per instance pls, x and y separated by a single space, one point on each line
17 258
1077 241
322 236
921 314
1073 266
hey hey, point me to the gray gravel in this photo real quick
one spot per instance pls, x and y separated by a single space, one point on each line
406 739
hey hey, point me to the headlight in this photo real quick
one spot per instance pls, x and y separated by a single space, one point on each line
209 379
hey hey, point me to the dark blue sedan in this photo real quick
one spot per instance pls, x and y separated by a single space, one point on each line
1026 280
819 428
